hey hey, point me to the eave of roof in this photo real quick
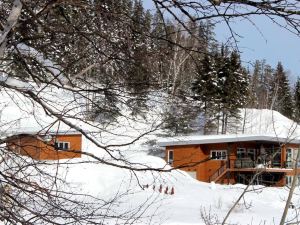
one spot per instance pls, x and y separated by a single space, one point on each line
214 139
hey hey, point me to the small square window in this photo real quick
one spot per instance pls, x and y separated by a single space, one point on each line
213 155
218 154
170 157
241 153
60 145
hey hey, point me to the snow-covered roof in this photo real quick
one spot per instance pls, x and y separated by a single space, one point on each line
212 139
30 131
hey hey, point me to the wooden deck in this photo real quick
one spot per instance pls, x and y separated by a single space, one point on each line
269 170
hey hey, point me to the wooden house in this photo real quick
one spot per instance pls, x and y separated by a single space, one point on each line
231 159
47 146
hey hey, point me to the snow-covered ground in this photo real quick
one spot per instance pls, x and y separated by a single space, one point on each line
268 122
192 203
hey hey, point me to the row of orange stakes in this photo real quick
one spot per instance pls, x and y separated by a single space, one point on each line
166 191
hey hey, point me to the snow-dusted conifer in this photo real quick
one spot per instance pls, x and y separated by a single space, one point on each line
281 93
205 89
297 100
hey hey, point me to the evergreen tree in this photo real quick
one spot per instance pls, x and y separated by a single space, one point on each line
233 83
138 71
239 84
297 101
205 89
221 87
282 98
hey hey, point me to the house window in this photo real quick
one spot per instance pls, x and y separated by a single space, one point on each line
288 180
61 145
251 153
218 154
289 158
170 157
241 153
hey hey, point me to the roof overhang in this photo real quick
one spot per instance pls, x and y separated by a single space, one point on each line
214 139
37 134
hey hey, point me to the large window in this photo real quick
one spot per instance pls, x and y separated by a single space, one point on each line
251 153
218 154
289 180
170 157
289 158
61 145
241 153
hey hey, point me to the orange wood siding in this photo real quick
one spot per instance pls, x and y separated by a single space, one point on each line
213 165
48 152
37 149
28 146
188 155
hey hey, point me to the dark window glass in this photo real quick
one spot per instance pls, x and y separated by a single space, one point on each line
170 157
66 145
61 145
219 154
213 155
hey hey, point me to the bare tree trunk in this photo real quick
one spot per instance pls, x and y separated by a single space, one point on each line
223 123
241 196
226 123
11 22
288 201
244 122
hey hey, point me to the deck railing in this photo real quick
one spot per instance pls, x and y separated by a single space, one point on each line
288 164
244 163
216 174
248 163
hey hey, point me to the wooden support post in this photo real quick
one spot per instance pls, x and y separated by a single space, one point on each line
283 156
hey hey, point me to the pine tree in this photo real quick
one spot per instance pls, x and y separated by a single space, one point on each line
282 98
205 89
222 88
138 72
297 100
233 83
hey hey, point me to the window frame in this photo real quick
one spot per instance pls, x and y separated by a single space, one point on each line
57 143
221 151
238 152
289 152
170 161
288 180
251 150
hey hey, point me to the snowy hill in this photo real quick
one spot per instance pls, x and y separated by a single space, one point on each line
193 202
265 121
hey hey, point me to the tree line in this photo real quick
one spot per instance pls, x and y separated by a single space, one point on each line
136 51
117 57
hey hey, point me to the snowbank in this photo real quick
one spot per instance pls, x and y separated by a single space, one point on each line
193 201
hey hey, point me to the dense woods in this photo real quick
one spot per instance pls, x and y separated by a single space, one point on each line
104 66
120 48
